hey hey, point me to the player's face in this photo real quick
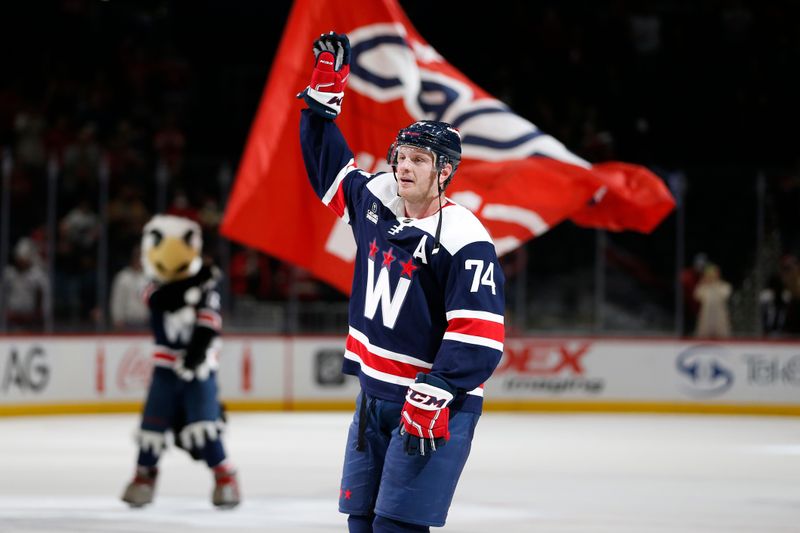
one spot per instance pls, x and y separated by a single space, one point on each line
416 179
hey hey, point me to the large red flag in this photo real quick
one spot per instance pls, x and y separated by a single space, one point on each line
517 179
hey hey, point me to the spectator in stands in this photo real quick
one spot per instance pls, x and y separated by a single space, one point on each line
128 310
251 274
690 276
210 217
58 137
773 304
77 261
26 288
126 162
127 215
81 163
790 278
30 149
713 293
296 282
182 207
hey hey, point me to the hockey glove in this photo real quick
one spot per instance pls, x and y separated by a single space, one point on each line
325 93
194 364
425 415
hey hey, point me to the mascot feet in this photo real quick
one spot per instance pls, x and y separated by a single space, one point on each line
226 488
140 491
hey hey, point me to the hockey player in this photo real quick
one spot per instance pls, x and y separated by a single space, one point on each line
182 398
426 309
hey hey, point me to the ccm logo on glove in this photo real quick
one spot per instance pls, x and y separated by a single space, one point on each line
424 399
424 417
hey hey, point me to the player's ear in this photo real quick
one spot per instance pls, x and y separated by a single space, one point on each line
445 174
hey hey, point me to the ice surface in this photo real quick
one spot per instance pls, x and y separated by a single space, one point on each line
528 473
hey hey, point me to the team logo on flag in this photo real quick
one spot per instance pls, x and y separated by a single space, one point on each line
518 180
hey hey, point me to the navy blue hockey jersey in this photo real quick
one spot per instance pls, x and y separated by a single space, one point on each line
177 309
410 310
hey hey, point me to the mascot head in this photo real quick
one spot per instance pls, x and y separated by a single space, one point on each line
171 248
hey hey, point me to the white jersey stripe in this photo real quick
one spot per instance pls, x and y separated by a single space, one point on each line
331 192
481 315
471 339
376 350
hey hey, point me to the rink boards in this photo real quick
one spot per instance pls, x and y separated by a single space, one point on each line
74 374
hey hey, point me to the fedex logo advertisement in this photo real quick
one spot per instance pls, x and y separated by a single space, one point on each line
549 367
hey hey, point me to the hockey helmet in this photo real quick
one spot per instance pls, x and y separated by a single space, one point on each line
171 248
439 138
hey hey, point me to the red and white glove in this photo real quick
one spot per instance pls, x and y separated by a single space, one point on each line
325 93
425 415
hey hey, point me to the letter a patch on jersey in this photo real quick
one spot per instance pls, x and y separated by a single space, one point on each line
380 292
419 253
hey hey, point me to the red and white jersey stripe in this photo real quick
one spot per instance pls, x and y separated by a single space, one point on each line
164 356
210 319
385 365
381 364
334 196
168 357
476 327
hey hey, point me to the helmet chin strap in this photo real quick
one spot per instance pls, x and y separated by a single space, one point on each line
436 243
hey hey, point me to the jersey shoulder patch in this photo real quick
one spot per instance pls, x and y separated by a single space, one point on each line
460 227
384 187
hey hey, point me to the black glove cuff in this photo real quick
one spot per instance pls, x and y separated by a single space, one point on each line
198 345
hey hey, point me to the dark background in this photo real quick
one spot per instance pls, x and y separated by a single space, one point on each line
703 89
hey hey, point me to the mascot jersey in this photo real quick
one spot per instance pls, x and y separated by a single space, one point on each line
177 308
410 310
183 300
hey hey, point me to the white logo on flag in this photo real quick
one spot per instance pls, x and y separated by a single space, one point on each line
385 68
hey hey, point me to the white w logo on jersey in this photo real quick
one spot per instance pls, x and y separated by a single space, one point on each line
381 292
178 326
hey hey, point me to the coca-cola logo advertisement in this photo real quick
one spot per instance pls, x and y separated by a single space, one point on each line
135 369
553 367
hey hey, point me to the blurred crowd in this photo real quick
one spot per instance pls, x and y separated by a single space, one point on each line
99 147
118 112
